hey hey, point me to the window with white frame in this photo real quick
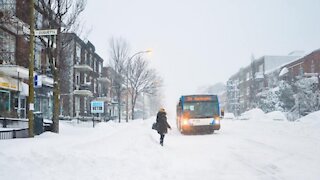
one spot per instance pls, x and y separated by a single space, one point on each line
301 70
100 67
261 68
313 67
77 103
248 76
77 78
85 78
90 60
85 57
85 104
78 54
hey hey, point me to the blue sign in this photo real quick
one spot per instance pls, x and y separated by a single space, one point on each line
37 81
97 107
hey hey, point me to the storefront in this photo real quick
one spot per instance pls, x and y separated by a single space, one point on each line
12 97
14 92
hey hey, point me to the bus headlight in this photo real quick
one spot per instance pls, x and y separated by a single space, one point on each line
185 122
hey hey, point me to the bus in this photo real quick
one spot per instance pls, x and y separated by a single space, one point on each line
198 113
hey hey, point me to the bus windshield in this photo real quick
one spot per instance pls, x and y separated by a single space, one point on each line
201 109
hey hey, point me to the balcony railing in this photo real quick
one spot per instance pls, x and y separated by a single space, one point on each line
83 67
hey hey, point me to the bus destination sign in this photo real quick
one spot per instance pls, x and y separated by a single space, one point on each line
198 98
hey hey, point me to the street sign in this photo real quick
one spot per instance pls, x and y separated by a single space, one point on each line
46 32
97 107
37 81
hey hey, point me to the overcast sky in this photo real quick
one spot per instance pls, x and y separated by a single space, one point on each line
203 42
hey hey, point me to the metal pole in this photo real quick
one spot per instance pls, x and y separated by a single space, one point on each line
127 98
143 108
31 68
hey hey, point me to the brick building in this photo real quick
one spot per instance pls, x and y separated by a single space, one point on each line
243 86
14 62
81 77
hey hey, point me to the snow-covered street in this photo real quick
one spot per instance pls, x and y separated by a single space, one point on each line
242 149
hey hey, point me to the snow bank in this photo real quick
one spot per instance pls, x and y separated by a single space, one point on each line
253 114
258 114
277 115
313 118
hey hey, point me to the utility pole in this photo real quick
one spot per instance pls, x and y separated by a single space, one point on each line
56 84
31 68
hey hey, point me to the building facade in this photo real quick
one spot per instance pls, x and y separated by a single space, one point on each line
14 62
81 77
243 86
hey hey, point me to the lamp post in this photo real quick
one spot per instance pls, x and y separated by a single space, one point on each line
143 107
128 68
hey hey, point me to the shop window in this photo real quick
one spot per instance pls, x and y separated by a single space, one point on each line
4 101
78 54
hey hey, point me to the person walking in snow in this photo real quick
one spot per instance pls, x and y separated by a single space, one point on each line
162 124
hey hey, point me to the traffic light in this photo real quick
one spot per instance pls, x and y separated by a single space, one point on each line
1 14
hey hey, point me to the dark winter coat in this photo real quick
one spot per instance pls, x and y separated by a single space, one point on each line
162 124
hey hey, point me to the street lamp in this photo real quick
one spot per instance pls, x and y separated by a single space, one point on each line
128 67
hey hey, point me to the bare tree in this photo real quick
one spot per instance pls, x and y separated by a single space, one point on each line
119 50
7 21
63 16
141 80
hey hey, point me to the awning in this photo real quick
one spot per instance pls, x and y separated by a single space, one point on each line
104 80
23 73
10 83
15 85
83 67
83 93
15 71
48 81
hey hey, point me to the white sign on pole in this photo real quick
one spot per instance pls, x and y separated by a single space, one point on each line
31 107
97 107
46 32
